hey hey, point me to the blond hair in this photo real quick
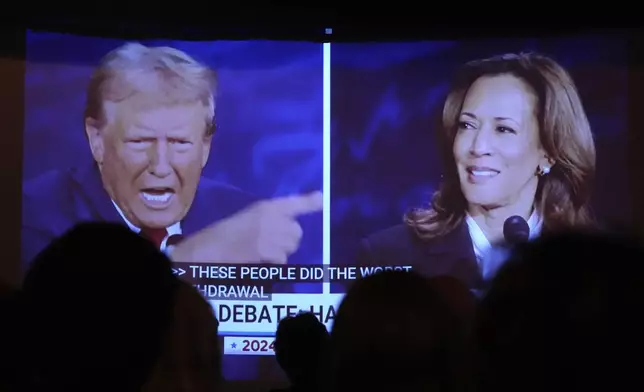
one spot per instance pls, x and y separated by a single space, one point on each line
150 76
563 196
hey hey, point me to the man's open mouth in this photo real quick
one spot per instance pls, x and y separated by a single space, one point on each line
157 197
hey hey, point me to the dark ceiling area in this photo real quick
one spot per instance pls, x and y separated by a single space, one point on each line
346 23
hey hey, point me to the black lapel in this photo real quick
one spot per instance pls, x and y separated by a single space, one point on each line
454 253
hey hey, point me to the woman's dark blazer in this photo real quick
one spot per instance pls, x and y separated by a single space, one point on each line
448 255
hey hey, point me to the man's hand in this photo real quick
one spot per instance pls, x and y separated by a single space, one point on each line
266 231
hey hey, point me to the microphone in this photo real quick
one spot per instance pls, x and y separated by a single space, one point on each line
516 230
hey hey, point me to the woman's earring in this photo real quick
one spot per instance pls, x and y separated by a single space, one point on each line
543 170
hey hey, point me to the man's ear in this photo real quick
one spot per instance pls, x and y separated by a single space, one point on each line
95 136
207 141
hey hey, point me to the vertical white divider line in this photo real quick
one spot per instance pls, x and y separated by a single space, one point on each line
326 164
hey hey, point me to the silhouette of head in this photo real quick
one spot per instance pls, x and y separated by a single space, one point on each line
401 329
191 356
563 314
97 303
301 347
9 329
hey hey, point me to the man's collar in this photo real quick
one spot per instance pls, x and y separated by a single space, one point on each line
174 229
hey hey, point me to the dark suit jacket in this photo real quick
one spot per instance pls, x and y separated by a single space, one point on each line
449 255
55 201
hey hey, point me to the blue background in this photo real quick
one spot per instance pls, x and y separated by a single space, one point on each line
269 125
386 99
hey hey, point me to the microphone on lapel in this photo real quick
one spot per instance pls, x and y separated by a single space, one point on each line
516 230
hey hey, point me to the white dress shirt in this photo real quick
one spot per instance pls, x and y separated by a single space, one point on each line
489 257
175 229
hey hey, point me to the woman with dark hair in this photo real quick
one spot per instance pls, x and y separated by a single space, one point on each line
516 142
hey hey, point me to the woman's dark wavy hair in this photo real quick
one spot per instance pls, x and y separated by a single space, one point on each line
563 195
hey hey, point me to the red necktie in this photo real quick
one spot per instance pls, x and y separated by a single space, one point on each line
155 235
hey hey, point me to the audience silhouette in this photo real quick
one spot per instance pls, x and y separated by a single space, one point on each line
396 331
191 357
302 350
97 303
563 315
9 330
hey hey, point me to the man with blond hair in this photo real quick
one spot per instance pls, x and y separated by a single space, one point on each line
149 121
